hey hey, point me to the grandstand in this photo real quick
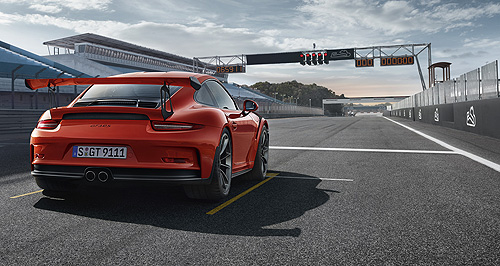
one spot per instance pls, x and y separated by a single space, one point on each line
118 56
16 65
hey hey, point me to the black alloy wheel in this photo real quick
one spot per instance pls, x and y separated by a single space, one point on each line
221 173
261 165
225 163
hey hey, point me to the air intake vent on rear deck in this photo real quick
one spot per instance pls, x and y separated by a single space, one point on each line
148 104
115 103
125 103
105 116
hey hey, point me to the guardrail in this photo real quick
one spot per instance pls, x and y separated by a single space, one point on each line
19 121
16 121
478 84
270 109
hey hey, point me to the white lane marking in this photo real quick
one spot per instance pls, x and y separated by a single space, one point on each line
315 178
469 155
360 150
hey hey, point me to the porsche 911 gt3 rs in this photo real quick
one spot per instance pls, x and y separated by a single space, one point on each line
172 127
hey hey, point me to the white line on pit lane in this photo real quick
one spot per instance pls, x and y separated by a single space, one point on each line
314 178
469 155
361 150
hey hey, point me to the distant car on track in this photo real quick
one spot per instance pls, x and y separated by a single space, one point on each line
173 127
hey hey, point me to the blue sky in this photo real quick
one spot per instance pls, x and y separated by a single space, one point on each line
465 33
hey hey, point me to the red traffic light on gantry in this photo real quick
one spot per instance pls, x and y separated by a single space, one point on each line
320 58
308 59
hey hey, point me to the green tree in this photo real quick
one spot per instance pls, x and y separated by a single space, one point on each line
296 92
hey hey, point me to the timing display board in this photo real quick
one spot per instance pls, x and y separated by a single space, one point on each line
397 61
364 62
231 69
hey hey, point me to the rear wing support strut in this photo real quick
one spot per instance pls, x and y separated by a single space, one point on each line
164 97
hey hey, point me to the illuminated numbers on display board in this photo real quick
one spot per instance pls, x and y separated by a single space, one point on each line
396 61
366 62
230 69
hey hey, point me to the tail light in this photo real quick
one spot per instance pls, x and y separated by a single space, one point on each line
47 124
173 126
46 121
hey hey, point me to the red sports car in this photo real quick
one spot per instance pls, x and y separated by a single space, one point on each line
175 127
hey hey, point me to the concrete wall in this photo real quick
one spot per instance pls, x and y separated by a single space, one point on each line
480 117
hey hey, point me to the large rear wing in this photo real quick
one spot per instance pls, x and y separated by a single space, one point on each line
166 82
192 81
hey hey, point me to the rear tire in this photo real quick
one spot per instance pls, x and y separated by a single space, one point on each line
221 173
261 165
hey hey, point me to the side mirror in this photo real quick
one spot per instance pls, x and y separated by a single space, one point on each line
250 106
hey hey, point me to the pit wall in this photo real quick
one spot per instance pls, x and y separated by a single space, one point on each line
480 117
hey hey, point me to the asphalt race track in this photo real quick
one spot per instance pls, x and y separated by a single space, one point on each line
341 191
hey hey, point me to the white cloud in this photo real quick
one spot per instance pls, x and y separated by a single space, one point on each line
430 3
80 26
46 8
82 4
481 43
55 6
7 19
198 39
394 17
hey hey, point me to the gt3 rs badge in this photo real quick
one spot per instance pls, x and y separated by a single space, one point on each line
100 125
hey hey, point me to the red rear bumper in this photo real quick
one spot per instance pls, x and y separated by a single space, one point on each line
148 151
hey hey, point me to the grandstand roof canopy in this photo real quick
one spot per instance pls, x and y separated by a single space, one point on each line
69 43
19 63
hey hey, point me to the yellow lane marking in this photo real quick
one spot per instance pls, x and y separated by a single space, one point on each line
225 204
34 192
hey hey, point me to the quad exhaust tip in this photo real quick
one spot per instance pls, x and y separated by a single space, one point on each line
90 176
103 176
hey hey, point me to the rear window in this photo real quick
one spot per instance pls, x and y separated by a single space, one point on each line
125 91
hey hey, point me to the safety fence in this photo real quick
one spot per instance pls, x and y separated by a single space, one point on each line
478 84
18 121
270 109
